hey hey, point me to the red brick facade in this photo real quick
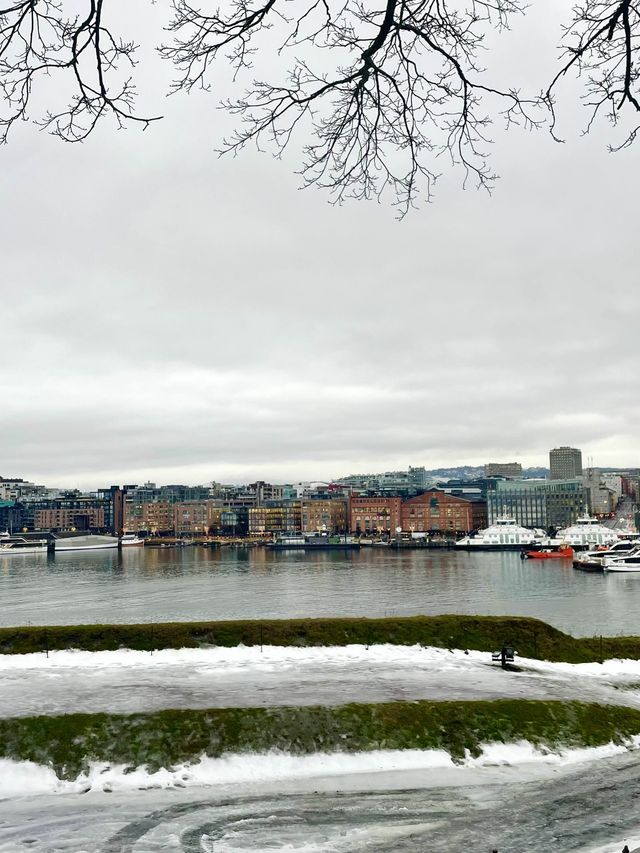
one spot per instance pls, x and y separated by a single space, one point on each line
375 515
437 512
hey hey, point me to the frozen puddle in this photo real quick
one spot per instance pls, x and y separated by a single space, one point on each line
129 681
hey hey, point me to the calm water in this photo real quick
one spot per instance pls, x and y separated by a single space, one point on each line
155 585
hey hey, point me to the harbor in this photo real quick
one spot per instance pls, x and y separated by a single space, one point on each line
135 585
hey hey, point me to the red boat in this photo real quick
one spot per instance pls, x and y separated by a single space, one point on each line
551 553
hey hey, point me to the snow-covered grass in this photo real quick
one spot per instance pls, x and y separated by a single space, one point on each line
18 778
69 744
532 637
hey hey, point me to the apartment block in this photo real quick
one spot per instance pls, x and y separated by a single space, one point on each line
192 517
324 515
276 518
148 517
80 518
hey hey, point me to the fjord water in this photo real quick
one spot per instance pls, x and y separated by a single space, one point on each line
194 583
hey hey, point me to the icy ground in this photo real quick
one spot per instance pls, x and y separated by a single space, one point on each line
128 681
512 801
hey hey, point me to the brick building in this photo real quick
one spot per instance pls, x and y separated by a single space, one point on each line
375 515
77 518
192 517
148 517
437 512
322 515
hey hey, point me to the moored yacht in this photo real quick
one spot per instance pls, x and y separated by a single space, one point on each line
312 542
505 534
130 539
21 545
586 532
628 563
593 561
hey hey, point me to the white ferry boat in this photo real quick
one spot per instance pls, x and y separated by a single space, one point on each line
504 535
585 533
91 542
21 545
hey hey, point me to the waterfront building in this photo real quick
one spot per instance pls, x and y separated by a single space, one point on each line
437 512
275 518
503 469
71 510
537 503
565 463
154 517
328 515
10 516
375 515
112 498
234 522
84 516
192 517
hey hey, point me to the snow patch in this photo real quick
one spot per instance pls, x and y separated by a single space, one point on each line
18 778
267 657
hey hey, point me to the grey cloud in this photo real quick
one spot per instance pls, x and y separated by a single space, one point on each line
172 315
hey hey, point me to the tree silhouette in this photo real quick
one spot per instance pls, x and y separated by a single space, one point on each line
378 95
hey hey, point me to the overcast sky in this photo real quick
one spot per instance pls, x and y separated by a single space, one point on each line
172 316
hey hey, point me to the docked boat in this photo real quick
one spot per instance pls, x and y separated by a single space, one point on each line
586 533
22 545
128 540
91 542
312 543
547 553
504 535
630 563
593 561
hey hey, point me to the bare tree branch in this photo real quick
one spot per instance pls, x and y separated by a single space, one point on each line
379 95
404 89
601 44
37 40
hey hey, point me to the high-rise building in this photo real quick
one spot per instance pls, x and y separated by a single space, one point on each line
565 463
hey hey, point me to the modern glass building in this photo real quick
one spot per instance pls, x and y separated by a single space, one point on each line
537 503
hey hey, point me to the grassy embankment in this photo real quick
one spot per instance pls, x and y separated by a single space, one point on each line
166 738
531 637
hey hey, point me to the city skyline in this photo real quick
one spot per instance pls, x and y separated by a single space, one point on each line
71 483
